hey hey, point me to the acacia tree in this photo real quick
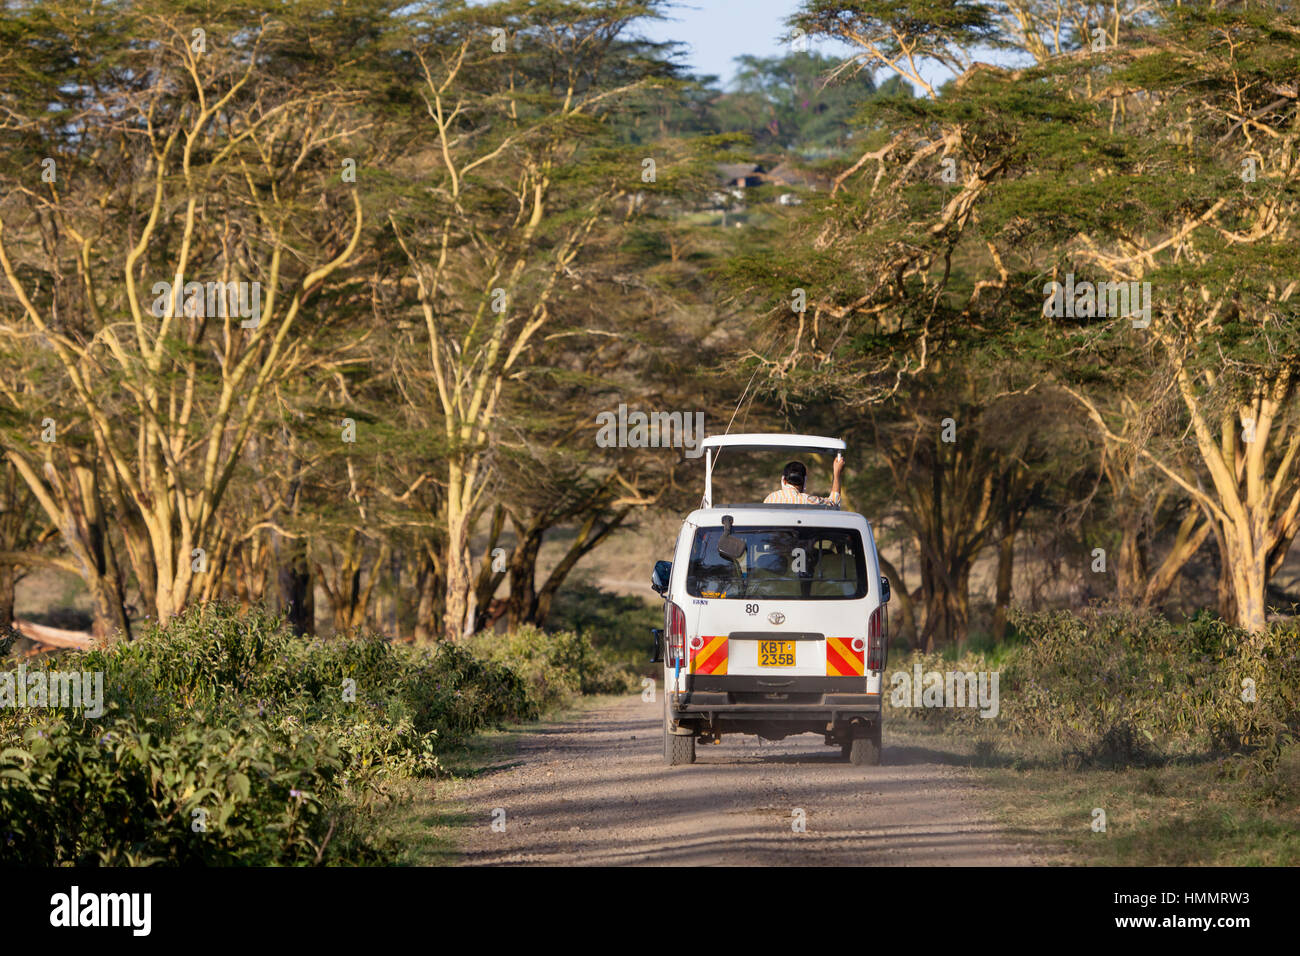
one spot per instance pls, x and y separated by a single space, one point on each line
1144 506
155 395
521 170
1169 159
1202 112
21 529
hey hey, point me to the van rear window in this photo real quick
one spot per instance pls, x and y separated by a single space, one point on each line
801 564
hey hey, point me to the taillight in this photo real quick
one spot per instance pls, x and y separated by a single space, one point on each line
675 630
877 639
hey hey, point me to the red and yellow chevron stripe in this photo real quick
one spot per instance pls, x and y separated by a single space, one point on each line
711 658
842 660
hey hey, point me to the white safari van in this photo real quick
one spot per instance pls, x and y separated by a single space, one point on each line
774 619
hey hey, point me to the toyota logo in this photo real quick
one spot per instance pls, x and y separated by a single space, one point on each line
776 617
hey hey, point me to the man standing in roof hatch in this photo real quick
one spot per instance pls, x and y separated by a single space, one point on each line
792 482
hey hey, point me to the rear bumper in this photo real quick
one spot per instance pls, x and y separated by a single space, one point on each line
832 709
734 684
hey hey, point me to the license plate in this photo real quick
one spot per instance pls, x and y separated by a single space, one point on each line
776 653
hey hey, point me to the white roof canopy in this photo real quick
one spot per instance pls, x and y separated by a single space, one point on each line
759 442
774 441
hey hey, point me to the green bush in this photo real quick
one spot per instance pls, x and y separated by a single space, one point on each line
618 624
1121 688
1087 676
236 718
556 665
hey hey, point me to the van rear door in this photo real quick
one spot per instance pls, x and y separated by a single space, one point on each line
794 604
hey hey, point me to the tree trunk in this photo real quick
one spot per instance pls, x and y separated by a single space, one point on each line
1187 542
1131 565
297 595
395 622
1246 579
486 608
521 606
960 600
906 608
87 524
588 537
431 588
8 580
109 612
459 573
932 595
1006 565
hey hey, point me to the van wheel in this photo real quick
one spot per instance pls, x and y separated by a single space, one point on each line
678 748
864 751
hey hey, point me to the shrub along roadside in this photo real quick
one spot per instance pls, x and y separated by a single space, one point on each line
225 739
1117 686
1149 720
557 666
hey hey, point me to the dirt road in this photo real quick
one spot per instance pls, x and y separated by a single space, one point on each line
594 790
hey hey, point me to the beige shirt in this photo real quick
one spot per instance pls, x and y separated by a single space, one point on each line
792 496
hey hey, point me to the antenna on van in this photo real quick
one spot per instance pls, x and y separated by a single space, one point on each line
709 459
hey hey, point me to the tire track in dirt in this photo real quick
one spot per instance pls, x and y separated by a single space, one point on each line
594 791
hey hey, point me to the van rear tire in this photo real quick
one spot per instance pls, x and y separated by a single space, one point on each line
864 751
678 748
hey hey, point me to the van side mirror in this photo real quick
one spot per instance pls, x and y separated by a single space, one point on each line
884 589
660 576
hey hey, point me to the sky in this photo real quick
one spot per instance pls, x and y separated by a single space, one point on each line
717 31
714 32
